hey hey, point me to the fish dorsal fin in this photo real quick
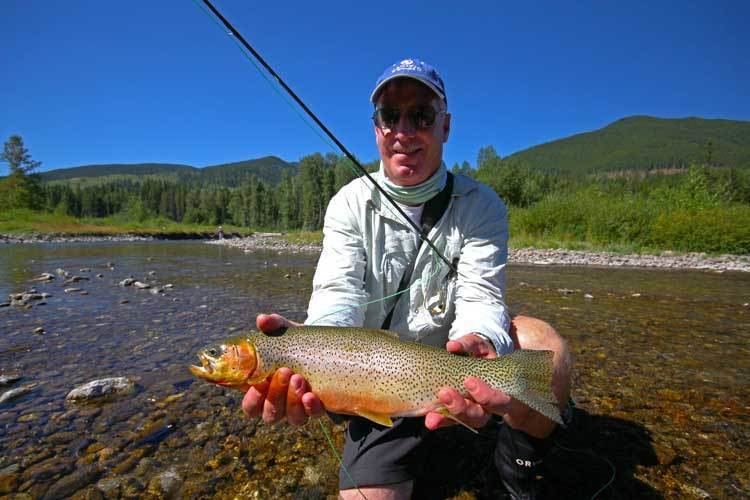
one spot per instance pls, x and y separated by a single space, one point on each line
378 418
390 334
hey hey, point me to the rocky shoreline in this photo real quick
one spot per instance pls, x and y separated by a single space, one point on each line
666 260
535 256
92 238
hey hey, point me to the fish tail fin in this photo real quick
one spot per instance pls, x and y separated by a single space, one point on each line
533 381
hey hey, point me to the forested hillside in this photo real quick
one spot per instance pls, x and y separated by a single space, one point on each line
643 143
269 169
659 184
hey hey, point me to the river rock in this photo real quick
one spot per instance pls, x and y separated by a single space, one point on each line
75 279
44 277
9 379
39 330
166 484
47 469
90 493
110 486
103 388
72 290
73 482
9 478
127 282
141 285
18 391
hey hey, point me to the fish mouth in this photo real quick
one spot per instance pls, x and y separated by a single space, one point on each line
206 367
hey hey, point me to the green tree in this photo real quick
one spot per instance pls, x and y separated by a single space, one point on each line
311 173
22 188
487 155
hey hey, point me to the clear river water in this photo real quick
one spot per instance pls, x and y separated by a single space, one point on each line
661 380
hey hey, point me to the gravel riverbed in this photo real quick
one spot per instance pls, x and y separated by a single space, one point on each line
671 260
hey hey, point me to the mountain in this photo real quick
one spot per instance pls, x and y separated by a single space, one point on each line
84 171
645 142
270 169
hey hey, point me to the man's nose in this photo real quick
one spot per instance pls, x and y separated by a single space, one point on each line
404 125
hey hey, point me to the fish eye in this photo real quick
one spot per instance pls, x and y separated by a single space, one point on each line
213 351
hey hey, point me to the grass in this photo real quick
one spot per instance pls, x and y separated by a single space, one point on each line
716 230
305 237
20 222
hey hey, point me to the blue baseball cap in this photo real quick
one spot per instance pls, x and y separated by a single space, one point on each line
412 68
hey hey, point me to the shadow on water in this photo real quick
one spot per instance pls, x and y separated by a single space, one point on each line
596 457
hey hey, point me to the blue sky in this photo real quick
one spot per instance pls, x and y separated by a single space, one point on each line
158 81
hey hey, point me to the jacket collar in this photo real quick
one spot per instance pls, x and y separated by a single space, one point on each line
461 187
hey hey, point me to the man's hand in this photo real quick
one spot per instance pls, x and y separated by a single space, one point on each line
284 394
474 411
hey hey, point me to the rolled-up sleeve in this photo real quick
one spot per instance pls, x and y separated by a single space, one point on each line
480 284
338 286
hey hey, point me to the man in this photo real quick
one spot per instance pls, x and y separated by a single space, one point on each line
368 248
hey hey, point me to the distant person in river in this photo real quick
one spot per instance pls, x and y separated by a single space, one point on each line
370 252
219 233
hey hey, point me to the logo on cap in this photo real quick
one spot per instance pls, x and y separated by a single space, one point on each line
408 65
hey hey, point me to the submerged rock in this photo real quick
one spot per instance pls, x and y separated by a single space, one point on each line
44 277
166 484
103 388
9 379
78 479
18 391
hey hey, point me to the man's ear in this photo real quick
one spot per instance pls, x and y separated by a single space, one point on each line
446 127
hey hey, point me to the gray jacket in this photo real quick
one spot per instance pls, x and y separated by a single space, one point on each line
367 246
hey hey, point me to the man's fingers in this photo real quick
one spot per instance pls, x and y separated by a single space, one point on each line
252 402
455 347
463 410
452 400
435 420
492 400
274 409
269 323
295 410
472 345
313 405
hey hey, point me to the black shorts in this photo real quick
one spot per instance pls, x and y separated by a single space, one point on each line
376 455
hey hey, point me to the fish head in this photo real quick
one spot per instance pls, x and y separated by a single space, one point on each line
230 363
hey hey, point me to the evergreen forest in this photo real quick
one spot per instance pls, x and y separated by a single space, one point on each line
697 199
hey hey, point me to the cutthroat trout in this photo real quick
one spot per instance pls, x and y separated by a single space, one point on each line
373 374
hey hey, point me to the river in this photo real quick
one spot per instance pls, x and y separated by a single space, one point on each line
661 379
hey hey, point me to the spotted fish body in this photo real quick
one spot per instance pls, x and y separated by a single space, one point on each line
373 374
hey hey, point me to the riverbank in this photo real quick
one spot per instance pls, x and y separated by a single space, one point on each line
553 256
279 242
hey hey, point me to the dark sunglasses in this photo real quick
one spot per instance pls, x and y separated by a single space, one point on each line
419 117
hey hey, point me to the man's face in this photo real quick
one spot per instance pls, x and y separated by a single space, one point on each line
410 154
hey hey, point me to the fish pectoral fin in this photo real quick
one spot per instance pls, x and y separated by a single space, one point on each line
444 412
378 418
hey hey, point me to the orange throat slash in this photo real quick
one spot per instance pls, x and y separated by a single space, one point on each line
231 364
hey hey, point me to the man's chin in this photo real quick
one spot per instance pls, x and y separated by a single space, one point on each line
405 175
